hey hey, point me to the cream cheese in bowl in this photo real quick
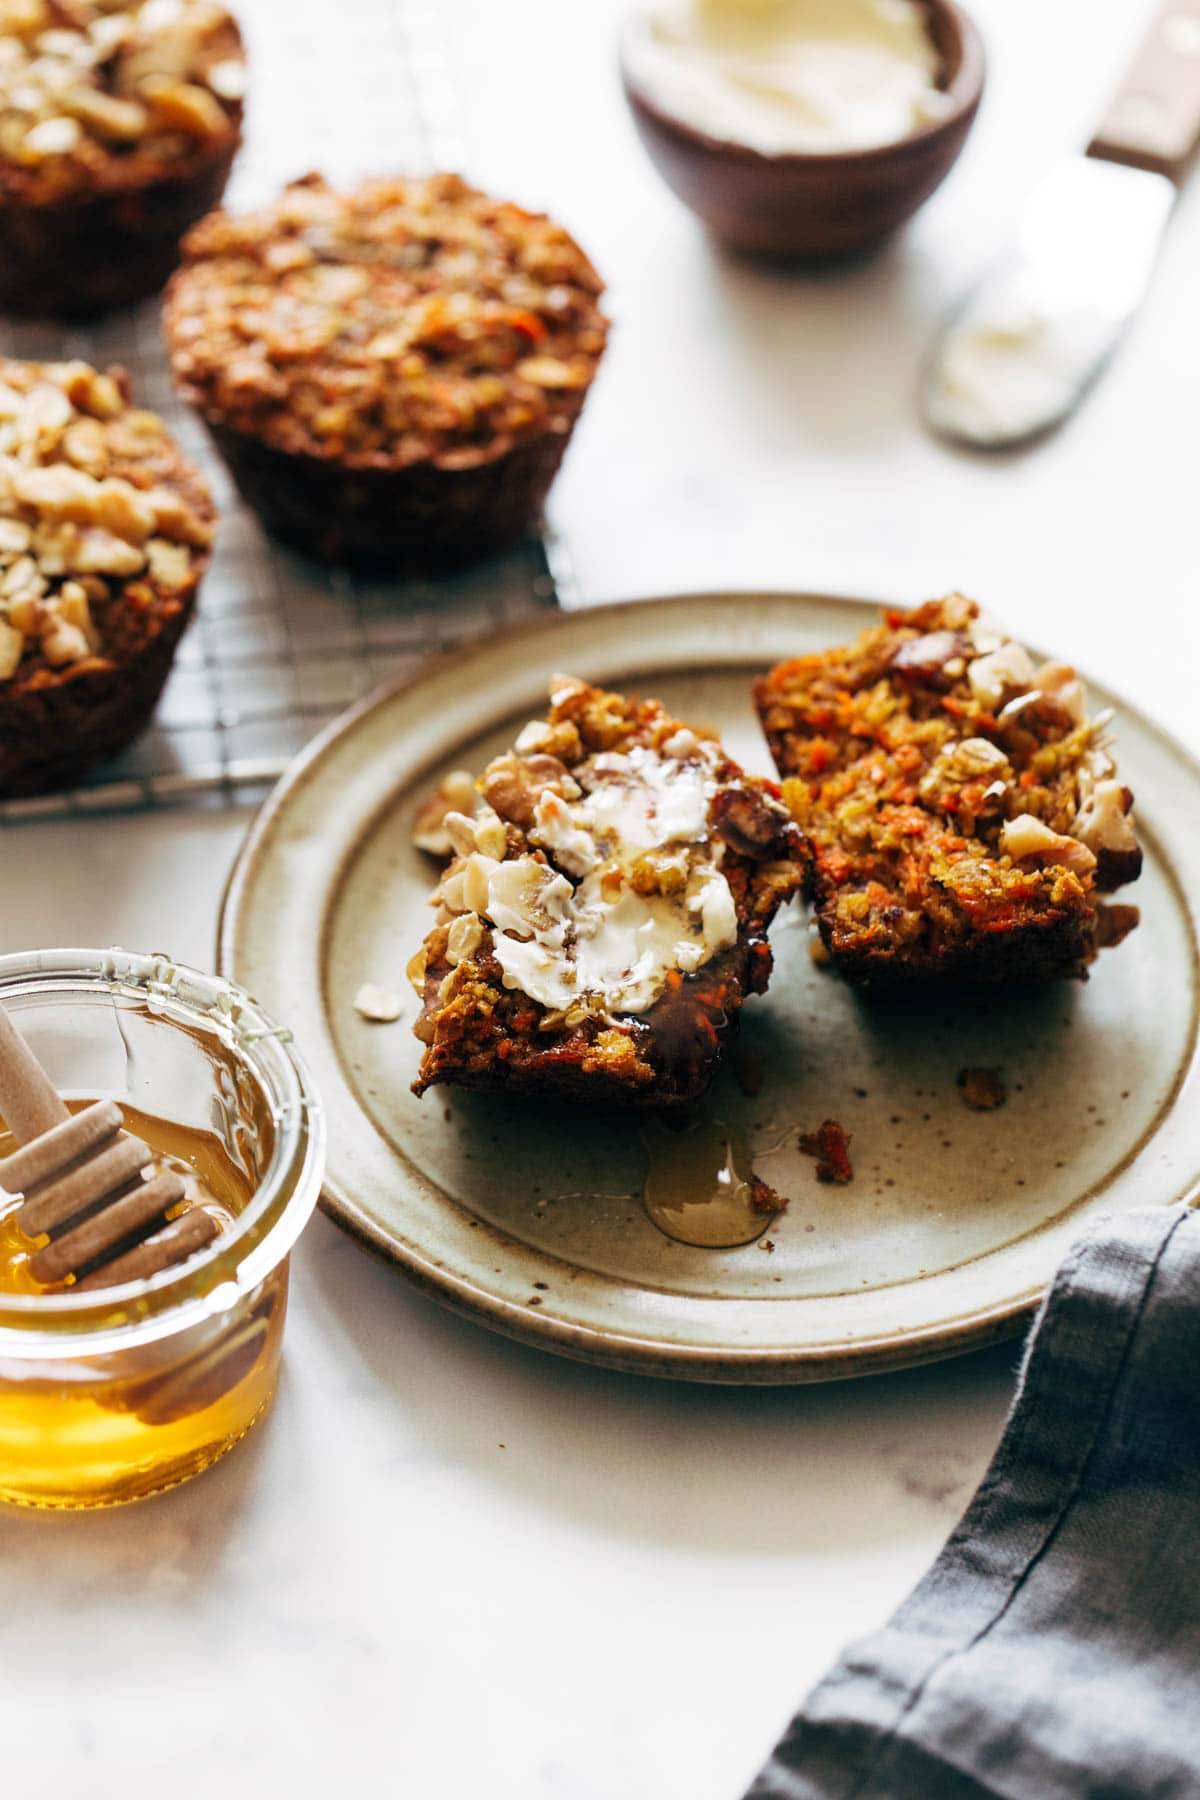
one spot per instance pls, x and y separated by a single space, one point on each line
785 77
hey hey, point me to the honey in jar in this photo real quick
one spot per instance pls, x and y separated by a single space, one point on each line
155 1419
108 1395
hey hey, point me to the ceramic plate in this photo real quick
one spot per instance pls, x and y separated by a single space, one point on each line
529 1218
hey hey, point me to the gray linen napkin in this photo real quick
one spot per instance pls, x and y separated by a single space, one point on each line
1052 1652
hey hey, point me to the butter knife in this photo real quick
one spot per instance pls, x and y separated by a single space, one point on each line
1045 318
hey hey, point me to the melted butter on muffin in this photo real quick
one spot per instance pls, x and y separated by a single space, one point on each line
632 828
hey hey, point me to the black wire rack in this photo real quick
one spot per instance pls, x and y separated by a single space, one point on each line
279 646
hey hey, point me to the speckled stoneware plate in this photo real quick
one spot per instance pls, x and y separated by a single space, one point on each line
529 1218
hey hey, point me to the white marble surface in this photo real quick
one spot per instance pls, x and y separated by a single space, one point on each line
445 1564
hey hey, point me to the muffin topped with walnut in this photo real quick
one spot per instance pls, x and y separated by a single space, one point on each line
392 373
963 809
605 915
104 535
119 120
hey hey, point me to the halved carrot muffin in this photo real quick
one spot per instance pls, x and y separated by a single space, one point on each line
605 915
962 810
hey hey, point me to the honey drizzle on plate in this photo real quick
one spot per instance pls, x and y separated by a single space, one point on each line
698 1187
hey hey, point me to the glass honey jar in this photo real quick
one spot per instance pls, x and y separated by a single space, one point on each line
113 1394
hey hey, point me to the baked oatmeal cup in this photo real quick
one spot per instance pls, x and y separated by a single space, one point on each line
119 121
393 373
962 809
605 915
105 533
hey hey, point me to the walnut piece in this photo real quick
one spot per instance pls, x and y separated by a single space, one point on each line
513 785
925 659
1026 836
750 822
380 1005
455 793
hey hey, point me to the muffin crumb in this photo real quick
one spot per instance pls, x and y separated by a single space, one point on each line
982 1089
764 1198
830 1145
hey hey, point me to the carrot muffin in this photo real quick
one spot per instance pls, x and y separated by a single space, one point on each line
392 374
118 127
962 810
104 535
606 912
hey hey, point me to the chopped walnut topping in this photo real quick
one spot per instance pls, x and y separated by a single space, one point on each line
463 938
513 785
92 87
491 838
454 794
957 766
71 535
1026 836
1103 822
1008 670
1058 681
750 821
937 656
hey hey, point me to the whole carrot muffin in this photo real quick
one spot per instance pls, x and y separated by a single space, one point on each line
119 120
962 810
605 915
104 536
392 374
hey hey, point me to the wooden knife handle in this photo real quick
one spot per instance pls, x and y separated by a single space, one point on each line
1153 121
29 1101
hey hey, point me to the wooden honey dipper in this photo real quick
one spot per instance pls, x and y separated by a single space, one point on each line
81 1180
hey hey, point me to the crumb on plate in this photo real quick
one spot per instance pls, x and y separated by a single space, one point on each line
830 1145
381 1005
982 1089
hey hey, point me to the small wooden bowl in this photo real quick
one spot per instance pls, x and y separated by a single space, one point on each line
797 205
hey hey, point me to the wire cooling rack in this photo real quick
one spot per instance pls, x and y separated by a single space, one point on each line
279 645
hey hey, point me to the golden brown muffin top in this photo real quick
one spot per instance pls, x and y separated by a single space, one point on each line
96 505
96 94
401 322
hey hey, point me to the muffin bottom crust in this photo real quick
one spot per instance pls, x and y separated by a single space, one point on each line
82 255
419 519
50 736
